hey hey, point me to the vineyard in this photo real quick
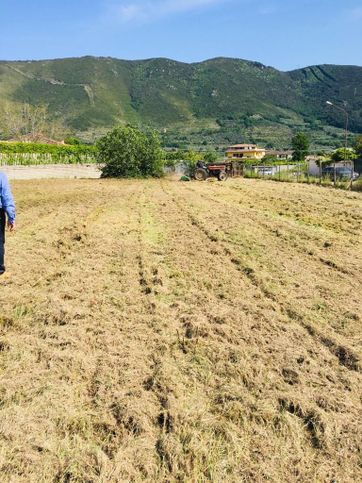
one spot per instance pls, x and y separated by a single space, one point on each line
153 330
28 154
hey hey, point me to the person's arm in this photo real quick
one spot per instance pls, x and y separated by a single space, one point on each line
7 201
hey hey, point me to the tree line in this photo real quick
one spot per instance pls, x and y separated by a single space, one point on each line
126 151
300 145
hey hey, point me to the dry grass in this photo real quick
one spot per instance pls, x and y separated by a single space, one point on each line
160 331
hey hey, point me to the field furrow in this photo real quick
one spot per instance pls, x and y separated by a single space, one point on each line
163 331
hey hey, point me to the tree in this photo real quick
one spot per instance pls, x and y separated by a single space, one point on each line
128 152
300 144
210 157
341 153
358 146
32 123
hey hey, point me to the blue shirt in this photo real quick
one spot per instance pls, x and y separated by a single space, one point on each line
6 198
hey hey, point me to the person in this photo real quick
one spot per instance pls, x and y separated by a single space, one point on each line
7 216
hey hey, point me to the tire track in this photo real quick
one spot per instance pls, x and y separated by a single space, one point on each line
348 359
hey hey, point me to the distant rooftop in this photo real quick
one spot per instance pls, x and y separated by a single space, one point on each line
282 151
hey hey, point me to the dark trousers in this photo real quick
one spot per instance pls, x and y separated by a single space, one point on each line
2 240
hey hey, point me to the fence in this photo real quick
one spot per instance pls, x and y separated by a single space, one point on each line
341 175
281 172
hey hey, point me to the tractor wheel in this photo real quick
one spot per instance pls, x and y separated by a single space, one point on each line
200 174
222 176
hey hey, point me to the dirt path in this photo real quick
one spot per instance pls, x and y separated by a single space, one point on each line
163 331
52 171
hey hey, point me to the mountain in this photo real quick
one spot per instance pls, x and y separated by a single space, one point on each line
213 102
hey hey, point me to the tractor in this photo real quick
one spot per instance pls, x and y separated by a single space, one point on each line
217 170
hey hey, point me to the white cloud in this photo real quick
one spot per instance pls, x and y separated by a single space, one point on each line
147 11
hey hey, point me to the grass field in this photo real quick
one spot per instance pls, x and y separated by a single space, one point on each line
166 331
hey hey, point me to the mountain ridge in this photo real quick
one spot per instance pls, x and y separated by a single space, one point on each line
220 100
146 59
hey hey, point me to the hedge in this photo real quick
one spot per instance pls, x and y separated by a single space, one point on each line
36 153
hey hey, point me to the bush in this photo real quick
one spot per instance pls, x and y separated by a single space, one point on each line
128 152
341 153
271 159
210 157
72 141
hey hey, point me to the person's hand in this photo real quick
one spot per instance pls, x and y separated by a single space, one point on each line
11 225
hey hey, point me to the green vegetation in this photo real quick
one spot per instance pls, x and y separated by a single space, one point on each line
358 146
270 159
55 149
72 141
342 153
36 153
212 103
189 158
210 156
300 144
127 152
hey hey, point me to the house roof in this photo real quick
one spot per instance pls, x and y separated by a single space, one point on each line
276 152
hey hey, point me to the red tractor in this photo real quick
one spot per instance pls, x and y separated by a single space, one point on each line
217 170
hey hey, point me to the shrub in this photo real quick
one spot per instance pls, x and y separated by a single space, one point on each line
210 157
341 153
128 152
72 141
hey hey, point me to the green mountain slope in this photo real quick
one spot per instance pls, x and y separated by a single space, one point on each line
216 101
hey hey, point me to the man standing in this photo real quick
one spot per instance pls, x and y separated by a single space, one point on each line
7 210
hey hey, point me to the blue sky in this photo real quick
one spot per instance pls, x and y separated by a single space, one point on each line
283 34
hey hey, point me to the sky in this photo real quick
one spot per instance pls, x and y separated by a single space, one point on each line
284 34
